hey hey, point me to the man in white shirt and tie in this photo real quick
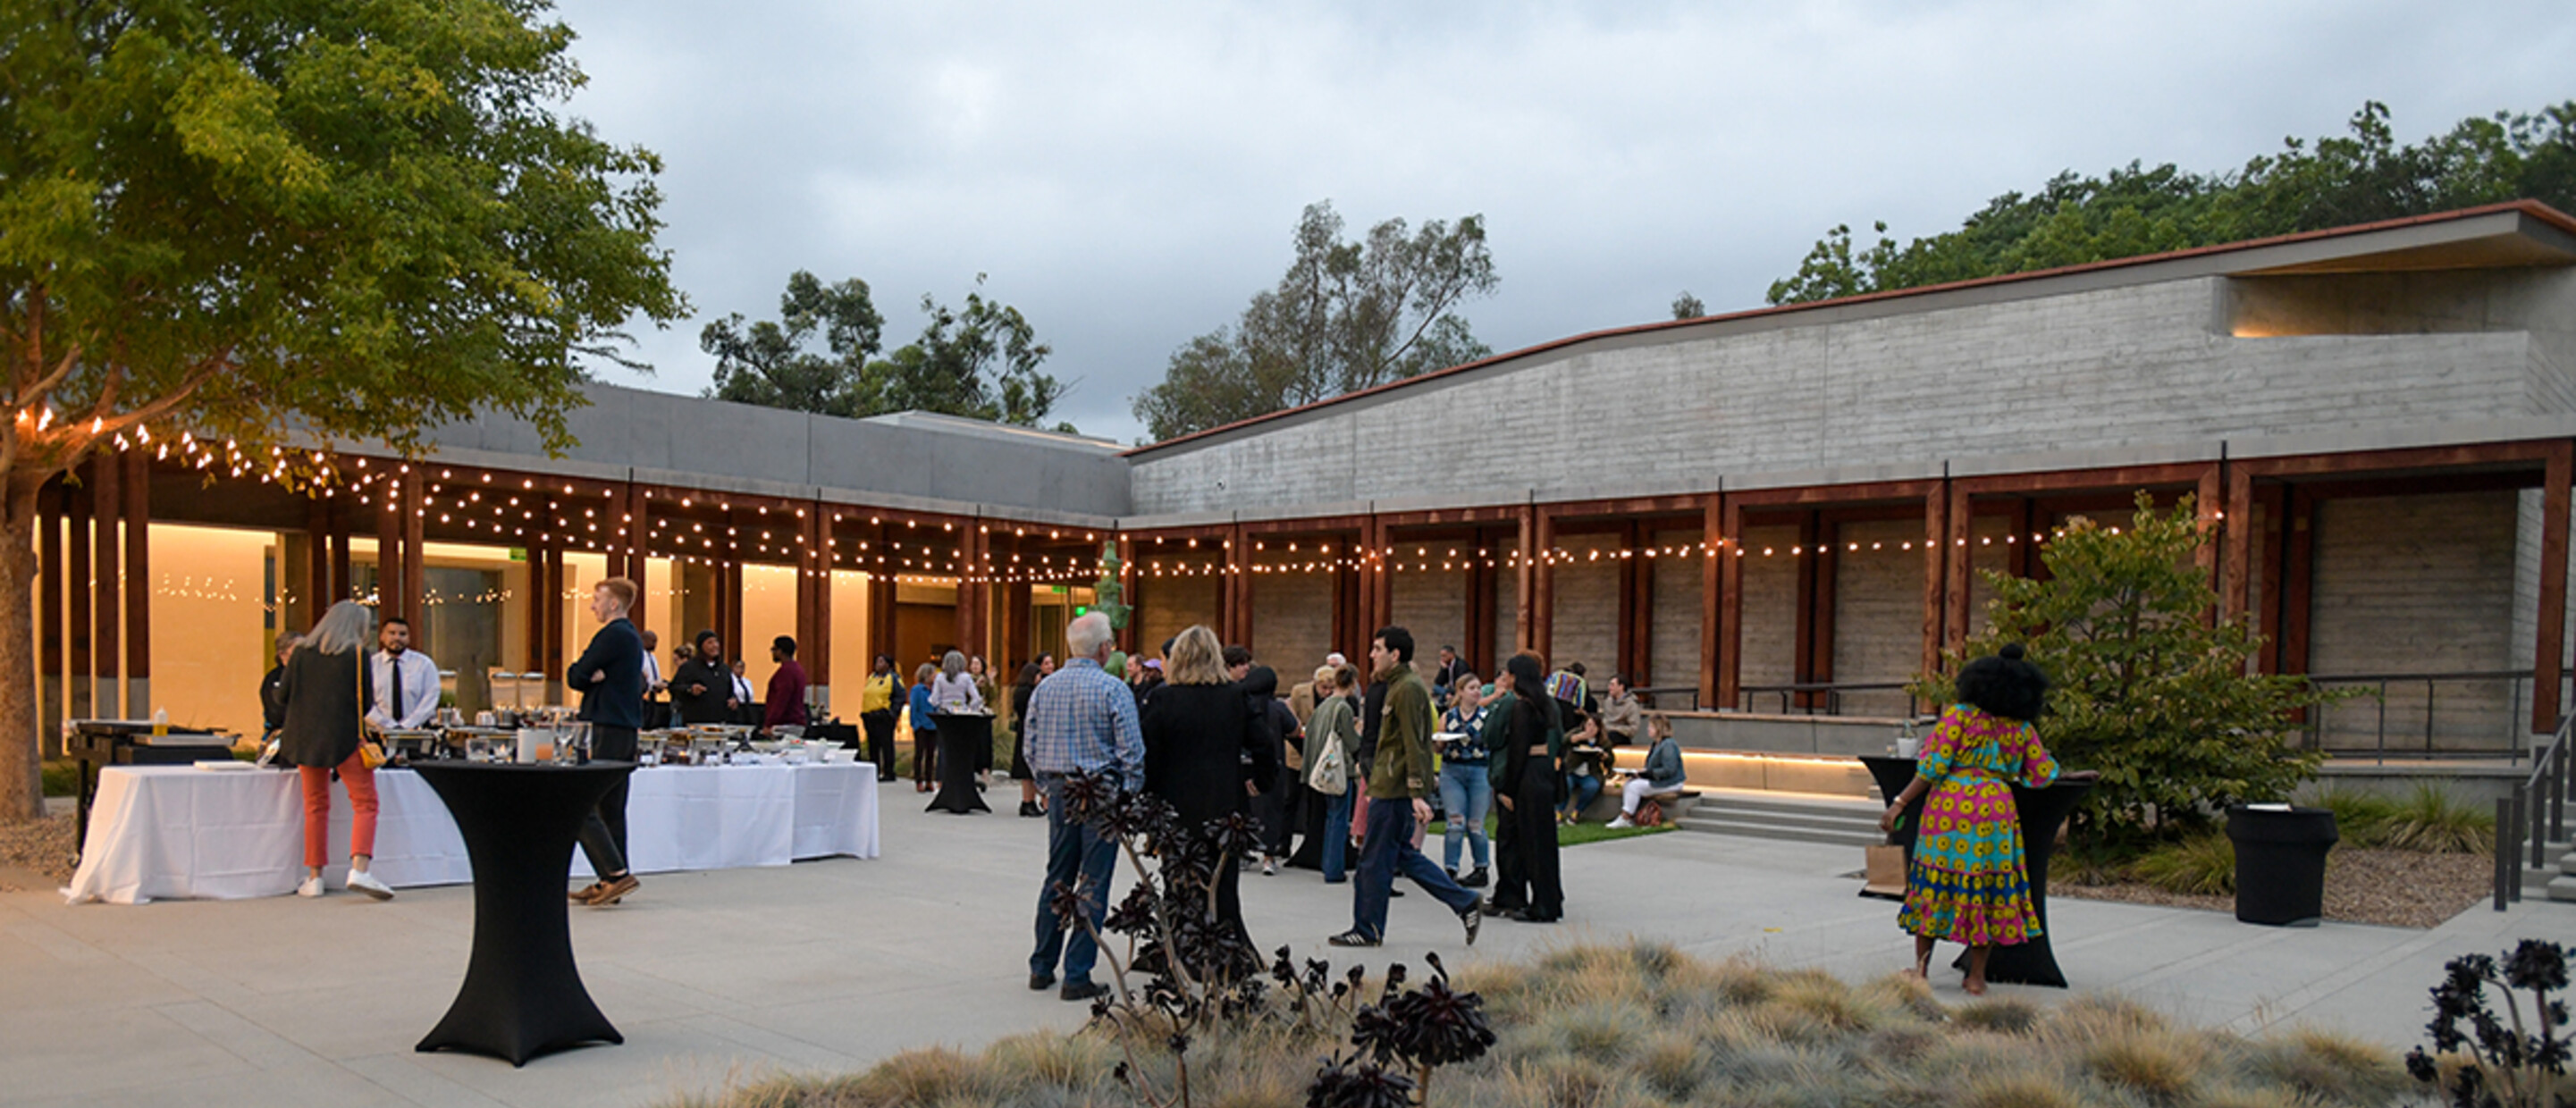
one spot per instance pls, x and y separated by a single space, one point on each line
656 712
406 680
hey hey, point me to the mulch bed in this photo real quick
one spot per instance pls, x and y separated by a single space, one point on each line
2394 888
44 847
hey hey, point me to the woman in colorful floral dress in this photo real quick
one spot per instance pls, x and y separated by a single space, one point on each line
1968 882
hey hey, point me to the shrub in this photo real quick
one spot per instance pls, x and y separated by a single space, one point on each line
2007 1015
2361 819
2202 865
2164 704
2479 1059
61 777
2429 818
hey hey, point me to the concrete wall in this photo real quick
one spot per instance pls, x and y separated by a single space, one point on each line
2418 584
1770 636
1878 612
1292 622
1675 635
1585 626
1172 604
925 457
1432 605
2140 365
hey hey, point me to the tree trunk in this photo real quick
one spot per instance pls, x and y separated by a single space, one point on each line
22 791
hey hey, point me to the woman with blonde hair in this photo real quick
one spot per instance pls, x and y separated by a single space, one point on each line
1198 733
327 688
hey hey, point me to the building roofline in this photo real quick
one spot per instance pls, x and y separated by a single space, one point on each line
2531 209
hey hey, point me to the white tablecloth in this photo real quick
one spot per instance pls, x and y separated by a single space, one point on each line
174 832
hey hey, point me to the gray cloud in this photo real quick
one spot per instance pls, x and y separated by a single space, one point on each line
1128 173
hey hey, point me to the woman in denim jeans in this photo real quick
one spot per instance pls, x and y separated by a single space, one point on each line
1466 793
1334 722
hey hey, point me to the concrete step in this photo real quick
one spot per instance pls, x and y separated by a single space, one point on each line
2561 888
1715 825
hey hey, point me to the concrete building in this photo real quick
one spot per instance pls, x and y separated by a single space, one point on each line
1777 516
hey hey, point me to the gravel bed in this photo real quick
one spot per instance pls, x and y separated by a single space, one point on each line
2395 888
45 847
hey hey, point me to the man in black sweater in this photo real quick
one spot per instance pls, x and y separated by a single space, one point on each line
610 677
702 689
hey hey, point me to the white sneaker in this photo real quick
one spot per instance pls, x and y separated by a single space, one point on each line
1622 821
312 886
361 882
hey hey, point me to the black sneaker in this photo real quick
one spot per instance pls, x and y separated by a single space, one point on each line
1475 880
1083 990
1353 938
1474 917
1041 982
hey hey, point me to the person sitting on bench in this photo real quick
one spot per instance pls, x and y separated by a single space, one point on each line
1662 772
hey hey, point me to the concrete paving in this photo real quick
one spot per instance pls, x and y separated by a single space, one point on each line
825 966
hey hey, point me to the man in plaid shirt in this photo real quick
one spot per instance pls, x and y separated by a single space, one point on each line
1080 720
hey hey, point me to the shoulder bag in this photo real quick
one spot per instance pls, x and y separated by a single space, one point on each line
1330 775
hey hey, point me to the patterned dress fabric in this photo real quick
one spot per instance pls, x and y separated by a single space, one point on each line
1968 882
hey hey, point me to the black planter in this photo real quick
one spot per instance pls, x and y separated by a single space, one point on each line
2281 864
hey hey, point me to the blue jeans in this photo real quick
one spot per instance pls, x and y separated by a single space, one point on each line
1388 851
1337 832
1579 792
1466 794
1078 855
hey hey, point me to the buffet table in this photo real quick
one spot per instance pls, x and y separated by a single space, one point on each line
178 832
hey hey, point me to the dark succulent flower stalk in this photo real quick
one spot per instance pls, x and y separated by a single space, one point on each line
2510 1064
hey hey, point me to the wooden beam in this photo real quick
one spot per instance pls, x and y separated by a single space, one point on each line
1936 581
2236 526
2298 580
1825 560
1543 591
2112 477
1525 580
1802 661
1712 530
2530 453
2208 506
1957 567
138 581
2549 654
49 616
2275 500
1729 636
106 476
1853 494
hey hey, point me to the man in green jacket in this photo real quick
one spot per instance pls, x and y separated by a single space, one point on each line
1399 778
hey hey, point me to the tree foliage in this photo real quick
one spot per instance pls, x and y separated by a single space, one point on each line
2147 689
351 219
2336 181
980 361
1347 316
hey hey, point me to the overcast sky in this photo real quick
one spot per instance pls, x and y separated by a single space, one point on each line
1128 173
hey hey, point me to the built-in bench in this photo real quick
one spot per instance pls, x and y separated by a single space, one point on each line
1605 807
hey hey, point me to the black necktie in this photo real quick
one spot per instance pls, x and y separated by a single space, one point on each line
393 713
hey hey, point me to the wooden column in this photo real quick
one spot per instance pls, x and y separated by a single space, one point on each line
1825 557
2236 526
49 618
317 570
2208 504
727 620
2275 500
2549 654
1711 573
1936 581
1237 606
1131 638
969 608
415 570
1543 591
79 585
138 582
1729 677
1347 595
341 584
1636 606
551 662
539 612
1479 631
881 621
817 651
106 473
627 556
1382 581
1957 568
2023 558
1811 581
2298 579
1019 626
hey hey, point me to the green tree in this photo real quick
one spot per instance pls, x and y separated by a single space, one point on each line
980 362
2336 181
1347 316
771 364
249 220
2147 689
1687 306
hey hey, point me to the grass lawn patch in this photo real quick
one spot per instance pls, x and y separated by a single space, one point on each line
1576 835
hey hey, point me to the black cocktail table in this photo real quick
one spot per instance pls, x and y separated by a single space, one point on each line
959 738
522 996
2042 811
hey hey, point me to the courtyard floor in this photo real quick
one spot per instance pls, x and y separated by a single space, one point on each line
826 966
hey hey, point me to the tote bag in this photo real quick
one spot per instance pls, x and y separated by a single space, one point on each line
1330 775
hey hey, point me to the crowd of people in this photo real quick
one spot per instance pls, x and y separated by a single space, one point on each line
1340 774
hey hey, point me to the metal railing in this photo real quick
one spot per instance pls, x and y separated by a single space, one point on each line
1648 695
1831 693
2533 816
2516 700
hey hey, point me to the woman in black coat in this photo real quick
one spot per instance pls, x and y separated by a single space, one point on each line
1528 741
1198 732
1274 727
327 689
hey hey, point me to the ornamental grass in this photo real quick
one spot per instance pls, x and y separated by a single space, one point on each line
1642 1025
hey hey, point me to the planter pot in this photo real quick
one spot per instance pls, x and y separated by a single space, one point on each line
2280 863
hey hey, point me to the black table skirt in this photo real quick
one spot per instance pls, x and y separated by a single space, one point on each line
959 738
2042 812
522 995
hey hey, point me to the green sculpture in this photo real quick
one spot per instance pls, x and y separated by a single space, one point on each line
1107 595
